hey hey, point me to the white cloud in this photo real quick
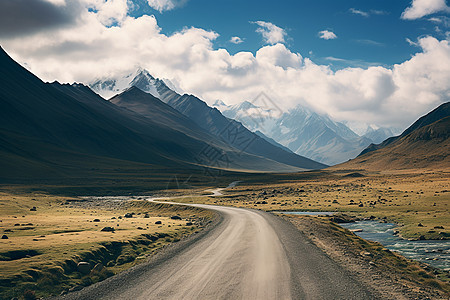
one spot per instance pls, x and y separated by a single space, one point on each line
165 5
90 49
421 8
236 40
271 33
359 12
327 35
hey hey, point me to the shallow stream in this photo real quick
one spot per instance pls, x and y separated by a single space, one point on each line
433 252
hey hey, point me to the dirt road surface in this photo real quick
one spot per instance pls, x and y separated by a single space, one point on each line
247 254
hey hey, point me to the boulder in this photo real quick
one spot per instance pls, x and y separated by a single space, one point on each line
4 237
108 229
84 267
175 217
158 222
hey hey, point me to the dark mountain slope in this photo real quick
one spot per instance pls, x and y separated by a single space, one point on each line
426 147
438 113
234 133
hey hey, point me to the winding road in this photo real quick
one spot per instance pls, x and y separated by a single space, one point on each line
248 254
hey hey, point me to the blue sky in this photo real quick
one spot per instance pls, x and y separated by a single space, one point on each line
368 31
365 62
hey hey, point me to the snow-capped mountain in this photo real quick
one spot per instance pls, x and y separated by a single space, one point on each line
208 118
303 131
380 134
140 78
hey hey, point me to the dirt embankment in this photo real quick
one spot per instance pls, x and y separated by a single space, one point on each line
392 275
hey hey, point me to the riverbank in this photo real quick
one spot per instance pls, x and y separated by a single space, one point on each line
417 200
52 244
390 274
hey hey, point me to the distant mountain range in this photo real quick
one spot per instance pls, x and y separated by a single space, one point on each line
61 130
305 132
210 119
425 144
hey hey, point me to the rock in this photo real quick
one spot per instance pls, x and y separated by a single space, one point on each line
158 222
421 238
96 220
436 227
189 224
84 267
4 237
146 216
175 217
366 253
98 267
33 208
128 215
108 229
420 225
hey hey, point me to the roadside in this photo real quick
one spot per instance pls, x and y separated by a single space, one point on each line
53 245
390 274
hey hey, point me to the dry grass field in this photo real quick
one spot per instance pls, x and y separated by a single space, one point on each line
417 200
47 236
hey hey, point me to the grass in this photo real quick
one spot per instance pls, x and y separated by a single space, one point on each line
418 201
44 246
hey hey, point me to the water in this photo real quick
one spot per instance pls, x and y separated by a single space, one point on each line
435 253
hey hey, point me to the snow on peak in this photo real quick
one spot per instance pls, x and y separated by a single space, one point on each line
140 78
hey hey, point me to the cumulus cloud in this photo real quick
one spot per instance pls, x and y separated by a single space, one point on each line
236 40
327 35
165 5
421 8
90 49
21 17
271 33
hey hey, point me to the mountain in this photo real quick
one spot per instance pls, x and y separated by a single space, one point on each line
378 135
210 119
425 144
55 130
301 130
440 112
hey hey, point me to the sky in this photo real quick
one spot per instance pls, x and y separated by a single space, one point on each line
378 62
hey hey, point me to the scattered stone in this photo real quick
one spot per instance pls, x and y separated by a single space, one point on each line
84 267
33 208
108 229
96 220
189 224
175 217
366 253
420 225
4 237
146 216
158 222
128 215
140 228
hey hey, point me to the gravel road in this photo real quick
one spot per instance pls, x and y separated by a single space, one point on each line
247 254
